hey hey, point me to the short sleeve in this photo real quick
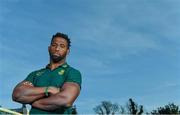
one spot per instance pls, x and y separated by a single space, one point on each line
30 77
74 76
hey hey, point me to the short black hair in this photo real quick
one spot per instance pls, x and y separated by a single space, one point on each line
62 35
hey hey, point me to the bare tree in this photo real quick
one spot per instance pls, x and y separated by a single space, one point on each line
133 108
107 108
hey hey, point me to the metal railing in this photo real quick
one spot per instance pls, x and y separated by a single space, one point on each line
19 111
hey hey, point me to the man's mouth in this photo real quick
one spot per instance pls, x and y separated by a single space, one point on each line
56 55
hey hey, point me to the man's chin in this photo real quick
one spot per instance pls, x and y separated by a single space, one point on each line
56 59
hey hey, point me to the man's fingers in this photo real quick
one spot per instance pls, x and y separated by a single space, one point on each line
27 83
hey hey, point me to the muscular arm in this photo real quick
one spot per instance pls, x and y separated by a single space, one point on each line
25 92
65 97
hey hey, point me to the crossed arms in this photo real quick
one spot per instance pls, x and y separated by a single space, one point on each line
25 92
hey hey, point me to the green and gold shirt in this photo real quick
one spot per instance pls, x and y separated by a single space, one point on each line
57 77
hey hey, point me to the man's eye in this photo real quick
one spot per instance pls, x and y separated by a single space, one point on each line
53 44
62 46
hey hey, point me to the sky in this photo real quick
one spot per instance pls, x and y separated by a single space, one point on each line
123 48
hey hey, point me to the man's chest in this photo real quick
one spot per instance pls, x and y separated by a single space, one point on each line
50 78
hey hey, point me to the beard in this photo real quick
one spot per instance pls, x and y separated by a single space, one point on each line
56 58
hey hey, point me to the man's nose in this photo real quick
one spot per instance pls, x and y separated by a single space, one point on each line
58 48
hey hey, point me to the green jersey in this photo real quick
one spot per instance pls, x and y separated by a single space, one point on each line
57 77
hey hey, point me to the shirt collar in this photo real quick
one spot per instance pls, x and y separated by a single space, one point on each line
65 65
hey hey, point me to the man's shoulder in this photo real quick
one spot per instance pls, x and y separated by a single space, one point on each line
72 69
74 75
34 74
38 72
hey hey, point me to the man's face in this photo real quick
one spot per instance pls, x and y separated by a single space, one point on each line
58 49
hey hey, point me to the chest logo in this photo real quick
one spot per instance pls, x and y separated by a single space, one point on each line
61 72
39 73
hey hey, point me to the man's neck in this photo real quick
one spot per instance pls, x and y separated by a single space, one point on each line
53 65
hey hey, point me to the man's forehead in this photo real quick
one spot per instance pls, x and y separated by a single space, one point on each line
59 40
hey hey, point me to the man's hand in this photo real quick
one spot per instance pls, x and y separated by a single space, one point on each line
53 90
27 83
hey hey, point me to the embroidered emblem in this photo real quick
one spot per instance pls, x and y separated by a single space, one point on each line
65 65
61 72
39 73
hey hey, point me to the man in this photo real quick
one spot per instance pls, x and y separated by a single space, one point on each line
53 89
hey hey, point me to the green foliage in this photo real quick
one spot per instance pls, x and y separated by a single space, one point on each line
171 108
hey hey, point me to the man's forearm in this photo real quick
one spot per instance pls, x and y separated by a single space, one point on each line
51 103
44 106
64 98
28 94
